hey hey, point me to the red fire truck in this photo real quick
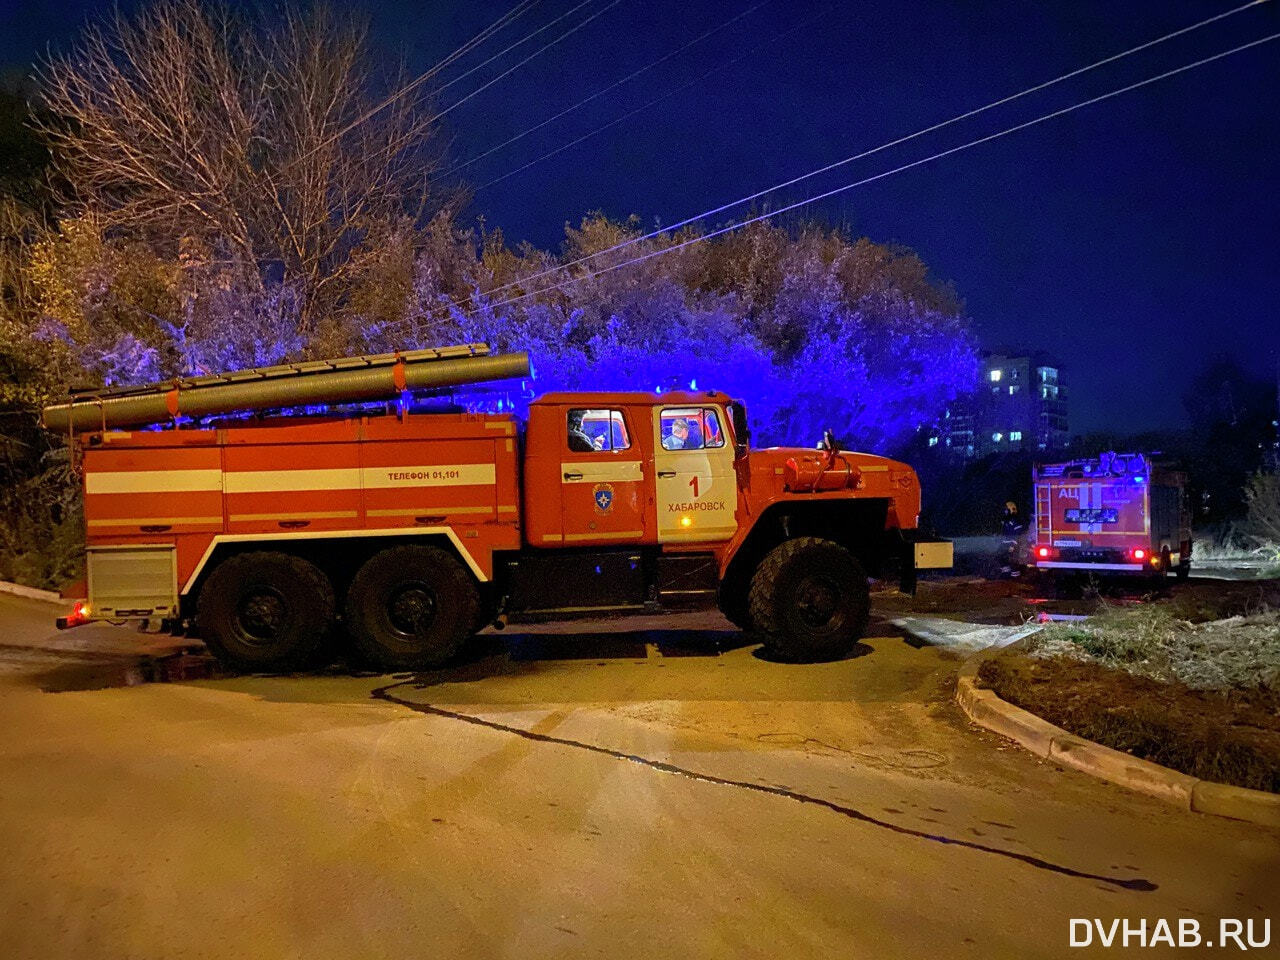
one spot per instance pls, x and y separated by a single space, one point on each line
223 503
1120 513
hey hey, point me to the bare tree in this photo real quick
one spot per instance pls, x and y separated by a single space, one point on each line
1262 516
263 141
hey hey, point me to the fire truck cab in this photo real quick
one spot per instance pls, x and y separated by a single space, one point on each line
408 531
1117 514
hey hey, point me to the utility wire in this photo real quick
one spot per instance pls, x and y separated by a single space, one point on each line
541 50
696 81
511 16
866 153
603 90
507 49
888 173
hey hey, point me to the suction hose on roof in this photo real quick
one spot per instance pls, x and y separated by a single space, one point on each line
382 378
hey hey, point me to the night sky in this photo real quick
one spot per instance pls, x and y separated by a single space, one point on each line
1135 239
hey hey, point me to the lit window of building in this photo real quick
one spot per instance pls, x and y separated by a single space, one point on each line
1032 410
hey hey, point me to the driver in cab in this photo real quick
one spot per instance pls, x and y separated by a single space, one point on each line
678 436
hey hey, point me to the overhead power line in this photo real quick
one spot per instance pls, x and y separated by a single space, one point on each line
888 173
696 81
407 89
507 49
613 86
969 114
507 18
520 63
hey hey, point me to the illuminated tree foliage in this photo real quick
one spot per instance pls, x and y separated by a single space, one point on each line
824 333
262 142
816 331
228 199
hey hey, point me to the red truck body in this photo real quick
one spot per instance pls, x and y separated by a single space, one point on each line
1121 514
621 501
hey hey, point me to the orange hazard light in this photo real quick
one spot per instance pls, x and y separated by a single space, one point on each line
79 614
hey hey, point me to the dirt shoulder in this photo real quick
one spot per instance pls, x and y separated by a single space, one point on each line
1228 737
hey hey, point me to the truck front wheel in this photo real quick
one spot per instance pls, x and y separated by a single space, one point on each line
810 600
411 607
265 611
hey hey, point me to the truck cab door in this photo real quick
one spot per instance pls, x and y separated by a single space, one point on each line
697 486
602 479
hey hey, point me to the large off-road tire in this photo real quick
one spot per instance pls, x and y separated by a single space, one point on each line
411 607
265 611
810 600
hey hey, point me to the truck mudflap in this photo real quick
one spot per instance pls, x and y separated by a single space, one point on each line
920 551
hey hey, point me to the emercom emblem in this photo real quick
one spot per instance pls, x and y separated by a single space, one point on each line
603 496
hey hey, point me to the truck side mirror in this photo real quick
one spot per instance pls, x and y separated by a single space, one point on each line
741 432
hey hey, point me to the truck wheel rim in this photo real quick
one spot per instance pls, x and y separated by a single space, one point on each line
817 599
411 609
261 615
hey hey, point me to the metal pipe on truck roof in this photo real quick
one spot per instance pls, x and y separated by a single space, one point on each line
359 384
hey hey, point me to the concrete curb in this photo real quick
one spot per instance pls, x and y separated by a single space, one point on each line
1043 739
31 593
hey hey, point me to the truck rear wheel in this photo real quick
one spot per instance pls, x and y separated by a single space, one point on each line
265 611
411 607
810 600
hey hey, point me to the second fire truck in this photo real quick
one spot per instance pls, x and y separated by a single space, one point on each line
1119 514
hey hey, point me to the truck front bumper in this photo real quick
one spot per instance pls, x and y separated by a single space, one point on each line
921 552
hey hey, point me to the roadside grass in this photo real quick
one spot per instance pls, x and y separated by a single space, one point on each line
1191 682
1233 549
1206 600
1228 737
1240 651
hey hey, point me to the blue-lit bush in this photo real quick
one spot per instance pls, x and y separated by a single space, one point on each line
812 330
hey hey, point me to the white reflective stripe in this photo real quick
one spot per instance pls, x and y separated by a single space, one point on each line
270 481
1063 565
152 481
431 475
428 511
603 535
331 535
155 521
353 478
599 471
328 515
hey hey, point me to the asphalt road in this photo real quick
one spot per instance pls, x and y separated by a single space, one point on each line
639 789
